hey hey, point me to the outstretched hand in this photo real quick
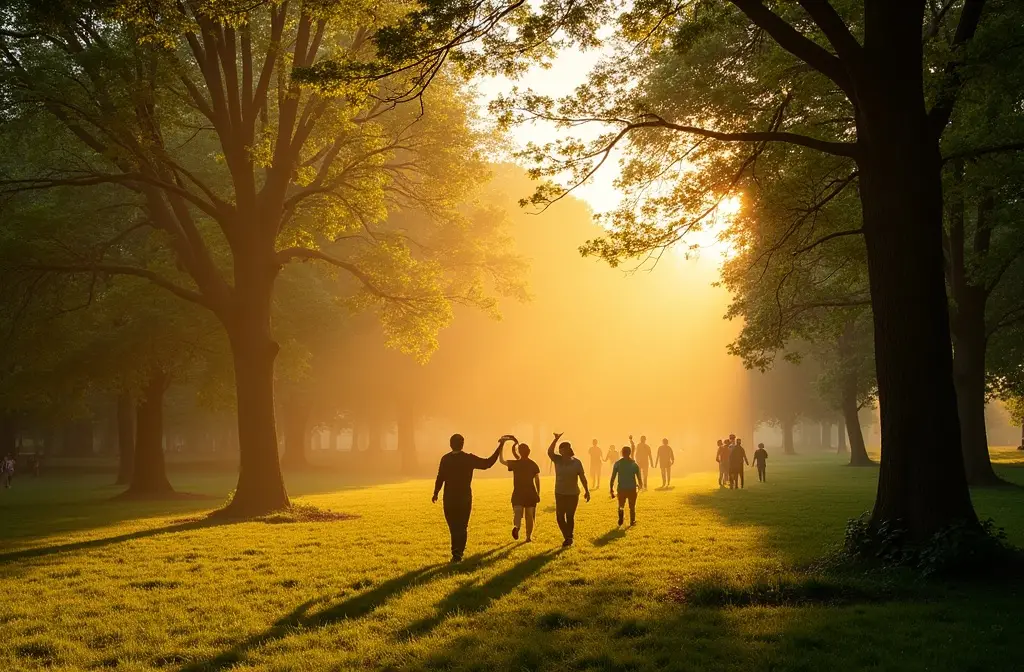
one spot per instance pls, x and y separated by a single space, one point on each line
558 435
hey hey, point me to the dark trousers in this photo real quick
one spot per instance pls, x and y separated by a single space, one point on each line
736 478
565 512
456 513
760 472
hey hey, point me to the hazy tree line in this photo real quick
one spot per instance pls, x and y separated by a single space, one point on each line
876 146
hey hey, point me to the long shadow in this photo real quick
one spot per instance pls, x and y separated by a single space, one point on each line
474 598
608 537
356 606
43 551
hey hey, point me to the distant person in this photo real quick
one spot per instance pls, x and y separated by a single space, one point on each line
737 458
525 488
630 480
612 455
666 458
455 473
567 493
760 457
642 456
7 466
722 457
596 455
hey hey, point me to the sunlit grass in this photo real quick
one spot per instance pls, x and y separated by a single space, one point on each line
89 584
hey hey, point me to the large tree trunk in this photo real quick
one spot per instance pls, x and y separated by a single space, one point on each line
125 438
260 489
787 437
296 433
922 484
407 438
851 418
149 470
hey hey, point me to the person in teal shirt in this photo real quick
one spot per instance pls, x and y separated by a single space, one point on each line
630 480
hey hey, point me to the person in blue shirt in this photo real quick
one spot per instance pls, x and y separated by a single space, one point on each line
630 480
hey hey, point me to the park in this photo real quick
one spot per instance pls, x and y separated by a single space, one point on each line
491 334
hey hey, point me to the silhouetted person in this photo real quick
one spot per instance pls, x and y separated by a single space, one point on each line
760 457
630 481
666 458
642 456
525 488
722 457
455 473
567 493
737 458
612 455
595 461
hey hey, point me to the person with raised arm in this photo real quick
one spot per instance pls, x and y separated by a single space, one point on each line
525 487
455 474
568 470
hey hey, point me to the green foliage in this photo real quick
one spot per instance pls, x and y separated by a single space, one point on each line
961 549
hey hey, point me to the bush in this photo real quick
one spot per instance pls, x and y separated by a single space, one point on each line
962 548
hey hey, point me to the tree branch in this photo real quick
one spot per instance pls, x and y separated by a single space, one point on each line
795 43
118 269
949 89
835 29
837 234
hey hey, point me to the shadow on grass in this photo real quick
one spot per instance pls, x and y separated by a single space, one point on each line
474 598
89 544
356 606
608 537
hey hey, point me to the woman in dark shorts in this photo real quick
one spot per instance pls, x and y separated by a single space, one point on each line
525 488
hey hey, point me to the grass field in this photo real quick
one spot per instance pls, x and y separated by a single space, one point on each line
708 580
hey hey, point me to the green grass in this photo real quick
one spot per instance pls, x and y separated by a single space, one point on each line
708 580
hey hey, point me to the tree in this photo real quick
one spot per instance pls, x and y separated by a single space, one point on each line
197 110
867 62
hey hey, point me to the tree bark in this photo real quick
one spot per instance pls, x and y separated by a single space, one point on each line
787 437
921 485
296 433
407 438
125 438
260 489
149 469
851 418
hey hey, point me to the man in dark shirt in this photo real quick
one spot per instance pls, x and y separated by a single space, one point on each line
455 473
760 457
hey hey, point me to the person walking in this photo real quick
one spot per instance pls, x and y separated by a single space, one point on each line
630 480
455 474
722 457
567 493
666 458
525 487
737 458
642 456
760 457
596 455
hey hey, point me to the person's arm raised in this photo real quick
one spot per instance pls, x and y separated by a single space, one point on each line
501 454
551 449
489 462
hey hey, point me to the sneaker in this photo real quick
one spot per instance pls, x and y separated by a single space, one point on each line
456 559
620 517
515 533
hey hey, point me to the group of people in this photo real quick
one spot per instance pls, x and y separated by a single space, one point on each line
641 454
731 458
455 476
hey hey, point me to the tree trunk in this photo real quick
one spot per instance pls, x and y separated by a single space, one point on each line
969 376
260 489
787 437
851 418
842 436
407 438
296 433
125 438
149 469
922 484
